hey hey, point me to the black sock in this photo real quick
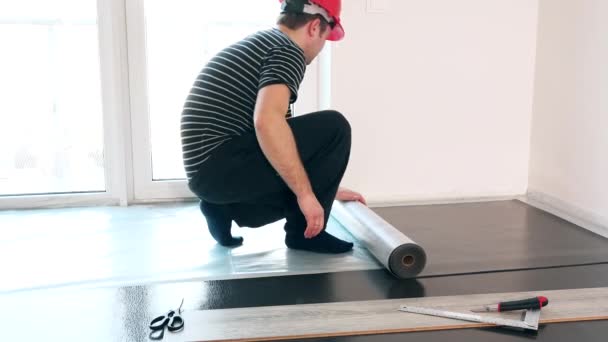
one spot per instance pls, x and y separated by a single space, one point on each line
322 243
219 225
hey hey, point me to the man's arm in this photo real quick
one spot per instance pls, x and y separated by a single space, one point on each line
278 144
276 138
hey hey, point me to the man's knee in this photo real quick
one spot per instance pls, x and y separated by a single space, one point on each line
338 121
340 128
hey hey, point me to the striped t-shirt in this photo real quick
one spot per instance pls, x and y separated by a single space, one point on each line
221 102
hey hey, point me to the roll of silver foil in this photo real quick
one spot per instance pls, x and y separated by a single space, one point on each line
399 254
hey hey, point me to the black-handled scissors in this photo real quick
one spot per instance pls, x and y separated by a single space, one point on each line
172 320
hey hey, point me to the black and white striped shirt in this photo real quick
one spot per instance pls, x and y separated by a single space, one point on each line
221 102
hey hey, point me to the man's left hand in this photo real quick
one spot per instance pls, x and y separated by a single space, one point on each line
345 194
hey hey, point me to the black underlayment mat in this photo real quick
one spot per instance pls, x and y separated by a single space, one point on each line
494 236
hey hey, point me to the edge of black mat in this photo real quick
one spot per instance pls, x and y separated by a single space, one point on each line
380 284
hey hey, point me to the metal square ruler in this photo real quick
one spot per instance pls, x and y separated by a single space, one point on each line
529 320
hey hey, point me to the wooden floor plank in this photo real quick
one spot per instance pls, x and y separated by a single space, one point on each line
375 317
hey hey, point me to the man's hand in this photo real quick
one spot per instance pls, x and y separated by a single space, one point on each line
314 214
345 194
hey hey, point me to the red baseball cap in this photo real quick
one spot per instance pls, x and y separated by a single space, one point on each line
329 9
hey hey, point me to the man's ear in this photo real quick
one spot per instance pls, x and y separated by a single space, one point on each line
314 28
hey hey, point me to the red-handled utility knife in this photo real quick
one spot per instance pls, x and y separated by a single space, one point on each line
534 303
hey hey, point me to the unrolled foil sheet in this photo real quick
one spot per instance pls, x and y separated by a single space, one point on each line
399 254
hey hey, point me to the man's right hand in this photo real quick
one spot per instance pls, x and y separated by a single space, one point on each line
314 214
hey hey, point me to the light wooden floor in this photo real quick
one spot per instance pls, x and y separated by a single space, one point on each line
145 244
375 317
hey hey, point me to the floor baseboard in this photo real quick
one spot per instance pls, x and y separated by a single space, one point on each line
440 200
581 217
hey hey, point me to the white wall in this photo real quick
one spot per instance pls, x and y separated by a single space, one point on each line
439 94
569 149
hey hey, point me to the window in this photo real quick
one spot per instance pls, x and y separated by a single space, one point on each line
51 128
181 36
92 93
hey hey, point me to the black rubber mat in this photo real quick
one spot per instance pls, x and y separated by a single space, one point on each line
494 236
378 284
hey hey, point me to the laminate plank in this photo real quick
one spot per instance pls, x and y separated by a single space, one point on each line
589 331
376 317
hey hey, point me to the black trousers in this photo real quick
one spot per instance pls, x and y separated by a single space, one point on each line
239 180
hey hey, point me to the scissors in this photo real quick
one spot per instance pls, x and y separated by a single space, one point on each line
172 320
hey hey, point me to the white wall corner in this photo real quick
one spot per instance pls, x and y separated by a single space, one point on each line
591 221
533 96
